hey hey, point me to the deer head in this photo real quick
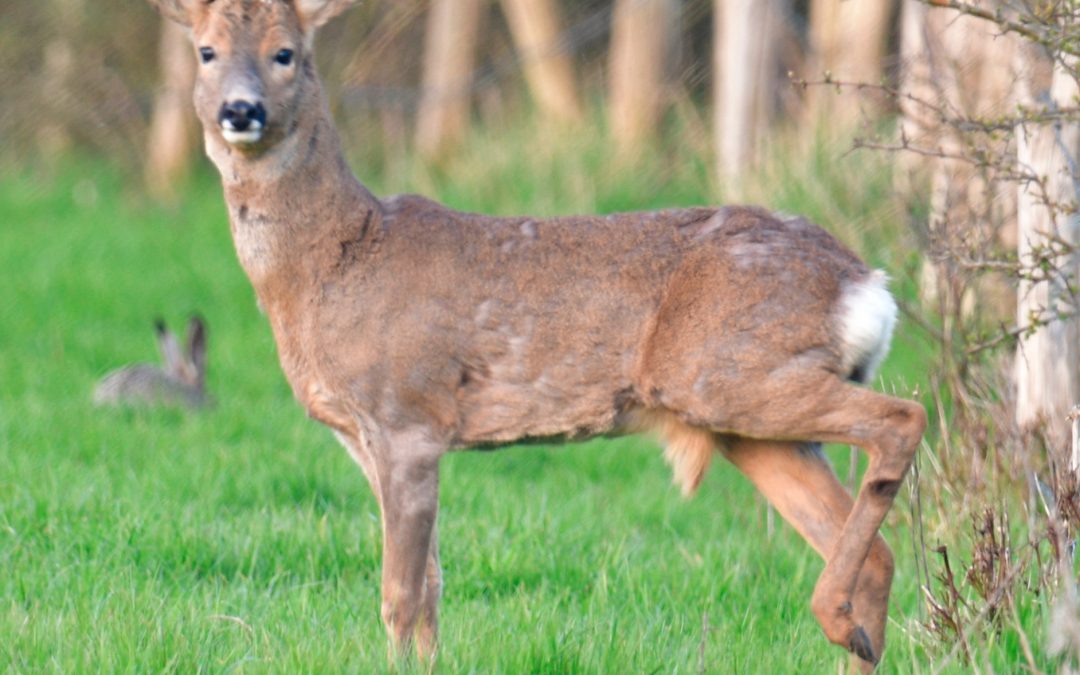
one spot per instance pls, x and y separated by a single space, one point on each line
256 65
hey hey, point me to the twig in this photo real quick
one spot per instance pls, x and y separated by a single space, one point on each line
1010 334
853 468
921 529
1074 417
916 318
998 18
701 645
233 619
918 554
1025 644
977 620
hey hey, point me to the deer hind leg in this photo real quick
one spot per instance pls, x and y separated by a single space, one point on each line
798 480
888 430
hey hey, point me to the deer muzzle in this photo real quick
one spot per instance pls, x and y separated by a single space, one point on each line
242 122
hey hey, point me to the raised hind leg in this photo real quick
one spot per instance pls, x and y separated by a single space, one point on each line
797 407
797 479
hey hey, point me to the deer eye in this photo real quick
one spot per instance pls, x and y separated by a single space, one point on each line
206 54
284 57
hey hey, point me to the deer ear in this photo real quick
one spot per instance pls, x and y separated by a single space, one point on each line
314 13
180 11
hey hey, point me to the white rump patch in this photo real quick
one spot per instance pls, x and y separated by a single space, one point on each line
867 318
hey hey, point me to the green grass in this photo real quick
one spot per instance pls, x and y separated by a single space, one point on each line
243 538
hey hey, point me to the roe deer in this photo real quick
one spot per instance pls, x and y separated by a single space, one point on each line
411 329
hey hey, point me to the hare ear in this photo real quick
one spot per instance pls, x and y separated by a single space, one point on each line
181 11
315 13
196 344
170 348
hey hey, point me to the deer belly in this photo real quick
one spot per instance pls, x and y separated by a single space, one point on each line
552 405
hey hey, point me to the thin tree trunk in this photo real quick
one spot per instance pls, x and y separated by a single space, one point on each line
641 43
60 67
963 64
915 80
449 58
172 137
549 71
849 41
745 55
1048 361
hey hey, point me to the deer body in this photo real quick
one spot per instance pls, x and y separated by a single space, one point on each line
412 329
474 321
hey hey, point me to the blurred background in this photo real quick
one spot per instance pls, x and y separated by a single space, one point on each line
938 138
604 100
413 76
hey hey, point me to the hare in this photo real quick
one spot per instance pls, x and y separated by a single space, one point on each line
180 383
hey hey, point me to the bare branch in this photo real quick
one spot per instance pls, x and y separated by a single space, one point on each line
1034 28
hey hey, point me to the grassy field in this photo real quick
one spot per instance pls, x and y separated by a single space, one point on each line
243 538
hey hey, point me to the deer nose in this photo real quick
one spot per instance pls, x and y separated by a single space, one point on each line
242 115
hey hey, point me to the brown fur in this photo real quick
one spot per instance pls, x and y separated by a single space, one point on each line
687 449
412 329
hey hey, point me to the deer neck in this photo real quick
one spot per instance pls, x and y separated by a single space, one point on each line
292 200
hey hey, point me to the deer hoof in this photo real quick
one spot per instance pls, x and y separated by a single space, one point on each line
860 645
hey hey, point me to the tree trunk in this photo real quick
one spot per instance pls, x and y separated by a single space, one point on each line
1048 361
549 71
449 58
915 80
745 62
848 38
172 137
641 44
59 77
965 65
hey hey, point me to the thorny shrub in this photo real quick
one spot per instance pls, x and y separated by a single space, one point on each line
1016 492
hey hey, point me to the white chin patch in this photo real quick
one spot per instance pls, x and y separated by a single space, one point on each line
245 137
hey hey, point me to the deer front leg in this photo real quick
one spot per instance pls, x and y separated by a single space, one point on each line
407 492
427 630
409 487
